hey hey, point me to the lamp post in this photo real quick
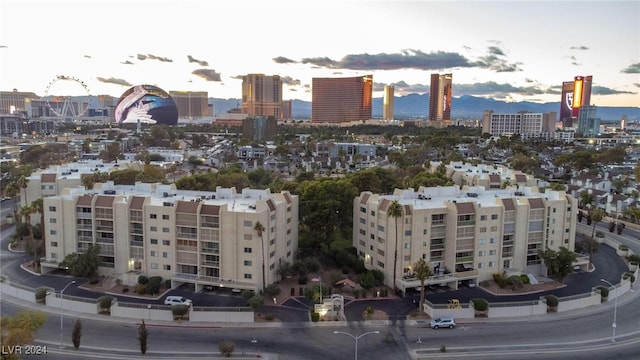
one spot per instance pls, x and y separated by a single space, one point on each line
354 337
62 309
615 312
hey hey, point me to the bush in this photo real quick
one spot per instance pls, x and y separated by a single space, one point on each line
256 301
629 275
524 278
480 304
247 294
272 290
604 292
634 259
500 279
369 310
140 289
226 347
105 302
515 281
179 310
315 317
551 300
143 280
153 286
41 294
93 280
269 316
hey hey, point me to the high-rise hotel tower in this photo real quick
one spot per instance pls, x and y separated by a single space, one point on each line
440 97
341 100
262 95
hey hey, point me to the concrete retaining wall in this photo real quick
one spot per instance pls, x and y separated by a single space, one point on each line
22 294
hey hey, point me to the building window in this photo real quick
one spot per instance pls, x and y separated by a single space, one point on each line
381 264
492 241
407 245
165 254
247 250
54 244
247 237
166 267
491 264
288 253
272 254
154 253
483 217
165 229
492 252
407 233
165 217
494 216
53 232
154 241
247 276
272 266
272 241
153 228
494 228
247 223
480 265
380 228
363 221
481 253
54 255
52 208
166 242
247 263
154 265
483 229
153 216
52 220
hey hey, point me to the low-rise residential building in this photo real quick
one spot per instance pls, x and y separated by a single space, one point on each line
197 237
466 235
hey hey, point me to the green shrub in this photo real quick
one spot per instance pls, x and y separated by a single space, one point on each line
269 316
272 290
247 294
41 294
105 302
94 280
634 258
443 348
315 317
179 310
256 301
524 278
143 280
629 275
153 286
480 304
226 347
515 281
369 310
500 279
140 289
551 300
604 292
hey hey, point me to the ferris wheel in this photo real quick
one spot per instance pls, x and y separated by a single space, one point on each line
63 105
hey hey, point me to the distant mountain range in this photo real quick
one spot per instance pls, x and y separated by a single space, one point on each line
466 106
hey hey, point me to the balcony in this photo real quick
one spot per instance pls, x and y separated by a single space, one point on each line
186 235
210 263
464 259
187 248
210 251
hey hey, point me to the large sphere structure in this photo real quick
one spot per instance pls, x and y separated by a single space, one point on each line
146 104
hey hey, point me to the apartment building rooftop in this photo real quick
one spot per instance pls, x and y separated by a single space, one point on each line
436 197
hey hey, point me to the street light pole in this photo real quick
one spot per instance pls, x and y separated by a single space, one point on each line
356 338
62 309
615 311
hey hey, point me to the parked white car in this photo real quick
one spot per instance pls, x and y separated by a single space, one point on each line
443 322
177 300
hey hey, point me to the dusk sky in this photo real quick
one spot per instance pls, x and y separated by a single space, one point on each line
507 50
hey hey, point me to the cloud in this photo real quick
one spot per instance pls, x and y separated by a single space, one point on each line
637 85
237 77
153 57
579 48
495 89
494 50
207 74
126 62
494 61
631 69
288 80
407 59
283 60
88 56
199 62
114 81
602 90
3 46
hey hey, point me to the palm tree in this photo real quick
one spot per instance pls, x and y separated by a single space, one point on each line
259 228
395 211
38 207
596 216
12 190
586 199
422 271
22 183
25 213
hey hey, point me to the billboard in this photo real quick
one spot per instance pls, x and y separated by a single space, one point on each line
146 104
566 104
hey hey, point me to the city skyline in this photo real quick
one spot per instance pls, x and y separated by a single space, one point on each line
510 51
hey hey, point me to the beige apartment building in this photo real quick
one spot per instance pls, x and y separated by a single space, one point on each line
197 237
466 234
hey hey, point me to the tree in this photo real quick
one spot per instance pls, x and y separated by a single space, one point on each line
559 263
259 228
596 216
12 190
25 213
143 334
76 334
395 211
586 199
284 269
422 271
38 206
85 264
226 347
112 153
19 330
22 183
